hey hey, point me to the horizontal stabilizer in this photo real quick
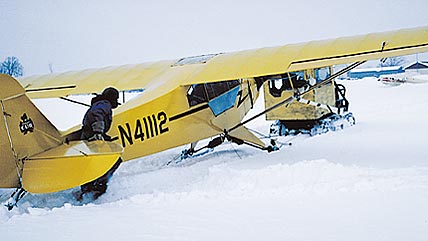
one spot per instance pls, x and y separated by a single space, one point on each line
69 165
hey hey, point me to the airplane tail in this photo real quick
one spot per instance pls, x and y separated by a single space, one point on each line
33 154
24 131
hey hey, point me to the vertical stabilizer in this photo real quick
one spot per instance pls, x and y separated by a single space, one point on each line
24 131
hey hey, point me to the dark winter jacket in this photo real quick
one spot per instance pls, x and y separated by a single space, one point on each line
100 111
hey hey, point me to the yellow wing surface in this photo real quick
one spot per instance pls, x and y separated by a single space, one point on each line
234 65
32 149
68 166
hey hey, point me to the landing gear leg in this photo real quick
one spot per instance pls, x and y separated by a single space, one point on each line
213 143
272 147
17 195
189 152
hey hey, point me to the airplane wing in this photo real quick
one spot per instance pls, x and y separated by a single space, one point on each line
314 54
126 77
234 65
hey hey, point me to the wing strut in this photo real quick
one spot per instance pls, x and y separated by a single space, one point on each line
51 88
298 95
74 101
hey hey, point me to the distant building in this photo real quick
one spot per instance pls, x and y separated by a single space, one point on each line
420 67
374 72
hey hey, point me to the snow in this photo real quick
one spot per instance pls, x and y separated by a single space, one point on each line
366 182
387 68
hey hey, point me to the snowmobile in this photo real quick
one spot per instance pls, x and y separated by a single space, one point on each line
319 110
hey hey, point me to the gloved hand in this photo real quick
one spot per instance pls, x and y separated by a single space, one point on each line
98 129
96 137
98 126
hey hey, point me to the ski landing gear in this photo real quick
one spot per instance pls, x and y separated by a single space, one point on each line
17 195
331 122
191 152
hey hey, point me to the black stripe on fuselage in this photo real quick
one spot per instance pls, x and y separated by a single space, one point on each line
189 112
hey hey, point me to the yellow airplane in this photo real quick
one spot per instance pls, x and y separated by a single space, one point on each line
184 101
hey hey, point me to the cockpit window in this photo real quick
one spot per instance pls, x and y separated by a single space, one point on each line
200 93
201 59
286 82
216 89
196 94
322 74
233 83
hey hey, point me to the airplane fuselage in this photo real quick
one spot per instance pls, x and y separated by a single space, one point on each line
184 115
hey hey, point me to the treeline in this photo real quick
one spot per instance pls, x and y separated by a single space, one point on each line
12 67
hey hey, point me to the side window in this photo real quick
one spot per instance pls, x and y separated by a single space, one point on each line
200 93
297 79
285 82
196 94
216 89
276 86
233 83
322 74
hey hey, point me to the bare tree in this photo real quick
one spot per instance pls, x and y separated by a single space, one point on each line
392 61
12 67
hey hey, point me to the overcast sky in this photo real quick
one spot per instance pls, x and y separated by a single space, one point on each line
80 34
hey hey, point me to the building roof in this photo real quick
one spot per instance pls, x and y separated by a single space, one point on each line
417 65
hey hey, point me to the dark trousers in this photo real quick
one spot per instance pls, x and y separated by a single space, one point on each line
99 185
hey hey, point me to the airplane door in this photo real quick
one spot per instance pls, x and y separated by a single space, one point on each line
224 102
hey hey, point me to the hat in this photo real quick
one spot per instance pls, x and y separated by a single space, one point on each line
112 95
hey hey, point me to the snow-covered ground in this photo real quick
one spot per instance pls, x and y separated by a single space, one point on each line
367 182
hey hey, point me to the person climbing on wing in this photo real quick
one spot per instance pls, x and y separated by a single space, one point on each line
96 123
98 118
